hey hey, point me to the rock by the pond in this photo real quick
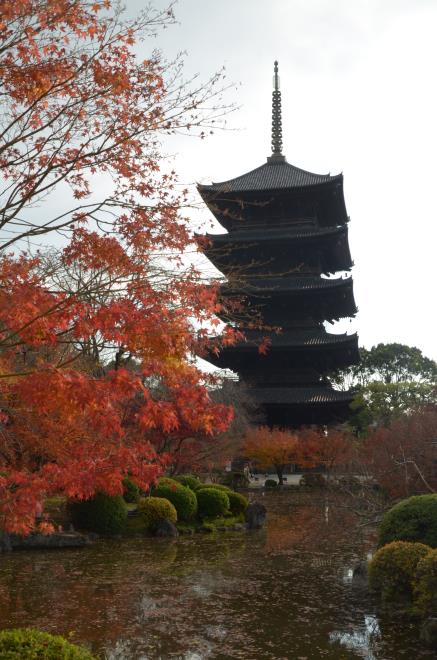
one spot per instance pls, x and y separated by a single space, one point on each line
360 571
428 632
255 515
45 541
238 527
166 529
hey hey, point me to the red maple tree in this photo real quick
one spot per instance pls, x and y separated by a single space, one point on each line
94 337
402 458
307 447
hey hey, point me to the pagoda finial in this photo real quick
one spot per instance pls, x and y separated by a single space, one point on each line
276 120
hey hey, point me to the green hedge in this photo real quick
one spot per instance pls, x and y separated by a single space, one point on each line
270 483
212 502
425 584
413 519
154 510
131 492
393 567
188 480
222 487
183 498
237 503
28 644
167 481
236 479
103 514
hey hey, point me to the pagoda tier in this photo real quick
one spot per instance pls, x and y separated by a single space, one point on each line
287 229
286 249
281 300
296 406
277 193
288 351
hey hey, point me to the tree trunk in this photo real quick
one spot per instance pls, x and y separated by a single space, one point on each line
280 473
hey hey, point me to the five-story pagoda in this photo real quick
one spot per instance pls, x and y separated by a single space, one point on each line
287 232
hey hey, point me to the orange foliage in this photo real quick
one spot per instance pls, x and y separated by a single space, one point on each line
268 447
78 104
307 447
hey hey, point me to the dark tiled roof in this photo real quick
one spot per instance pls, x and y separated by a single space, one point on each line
299 395
290 283
271 176
295 339
275 233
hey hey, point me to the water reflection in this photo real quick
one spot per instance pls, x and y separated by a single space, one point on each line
284 592
363 641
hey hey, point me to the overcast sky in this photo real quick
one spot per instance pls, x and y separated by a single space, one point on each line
358 82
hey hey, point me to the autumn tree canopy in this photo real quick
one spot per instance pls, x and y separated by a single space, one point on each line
307 447
90 332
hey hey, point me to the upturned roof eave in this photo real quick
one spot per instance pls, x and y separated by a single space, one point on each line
300 396
334 343
303 286
254 181
275 233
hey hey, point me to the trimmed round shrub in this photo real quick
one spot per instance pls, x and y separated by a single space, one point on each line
270 483
392 569
236 479
312 480
212 502
237 503
183 498
413 519
221 487
189 480
425 584
131 492
21 643
154 510
104 514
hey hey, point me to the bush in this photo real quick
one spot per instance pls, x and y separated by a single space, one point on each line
155 509
167 481
237 503
189 480
270 483
425 584
312 480
236 479
131 492
221 487
103 514
212 502
392 569
20 643
413 519
183 498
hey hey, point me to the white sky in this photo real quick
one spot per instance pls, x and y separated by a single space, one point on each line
358 86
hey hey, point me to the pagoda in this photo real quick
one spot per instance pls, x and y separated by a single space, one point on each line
287 239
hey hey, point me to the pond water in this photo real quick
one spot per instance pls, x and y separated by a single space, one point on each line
285 592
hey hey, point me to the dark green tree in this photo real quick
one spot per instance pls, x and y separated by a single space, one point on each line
391 380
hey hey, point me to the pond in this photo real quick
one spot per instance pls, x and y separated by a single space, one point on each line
285 592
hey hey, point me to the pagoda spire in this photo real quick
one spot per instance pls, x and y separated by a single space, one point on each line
276 120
